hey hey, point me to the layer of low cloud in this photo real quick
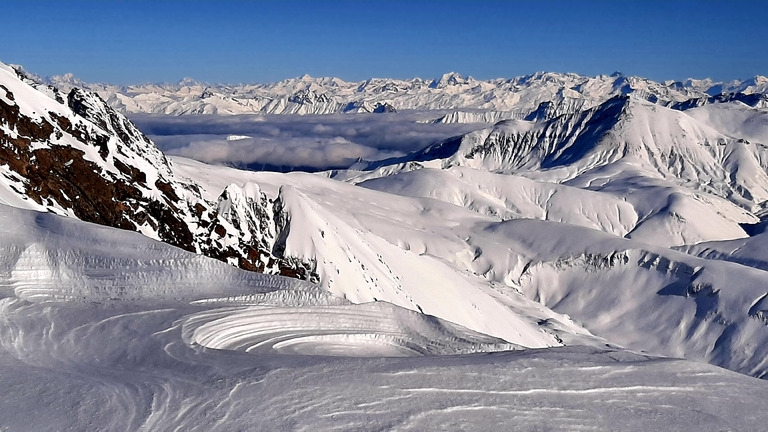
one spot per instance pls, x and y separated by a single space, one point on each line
297 152
304 142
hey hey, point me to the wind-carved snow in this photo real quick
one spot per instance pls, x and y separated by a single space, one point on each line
45 265
375 329
52 259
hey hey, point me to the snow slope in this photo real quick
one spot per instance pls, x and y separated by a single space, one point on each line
76 156
683 180
499 278
115 343
655 211
512 197
735 119
751 251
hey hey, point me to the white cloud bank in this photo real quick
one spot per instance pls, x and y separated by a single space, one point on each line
293 141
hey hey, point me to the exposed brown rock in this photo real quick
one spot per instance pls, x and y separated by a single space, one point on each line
60 176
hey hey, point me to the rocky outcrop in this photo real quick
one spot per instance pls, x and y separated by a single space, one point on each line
77 156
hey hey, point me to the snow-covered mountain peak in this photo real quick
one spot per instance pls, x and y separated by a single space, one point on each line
666 141
450 79
516 97
67 78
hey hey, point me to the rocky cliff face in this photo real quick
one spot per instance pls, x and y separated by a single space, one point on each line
75 155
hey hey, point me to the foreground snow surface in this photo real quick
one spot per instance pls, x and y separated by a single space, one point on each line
99 337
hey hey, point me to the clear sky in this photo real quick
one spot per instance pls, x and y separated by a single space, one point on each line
221 41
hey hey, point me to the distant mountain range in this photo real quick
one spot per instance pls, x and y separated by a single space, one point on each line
542 94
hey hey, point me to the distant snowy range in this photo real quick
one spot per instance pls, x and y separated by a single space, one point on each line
548 252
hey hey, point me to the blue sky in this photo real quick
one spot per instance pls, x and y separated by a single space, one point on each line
163 41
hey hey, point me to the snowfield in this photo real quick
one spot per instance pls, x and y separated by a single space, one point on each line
586 253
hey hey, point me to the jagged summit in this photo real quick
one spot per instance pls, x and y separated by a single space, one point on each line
67 78
450 79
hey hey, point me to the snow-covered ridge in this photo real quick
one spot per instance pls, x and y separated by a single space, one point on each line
540 94
74 155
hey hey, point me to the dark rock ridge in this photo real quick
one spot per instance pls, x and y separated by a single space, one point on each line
74 155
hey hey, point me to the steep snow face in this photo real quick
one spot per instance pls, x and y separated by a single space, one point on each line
541 95
619 128
670 143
